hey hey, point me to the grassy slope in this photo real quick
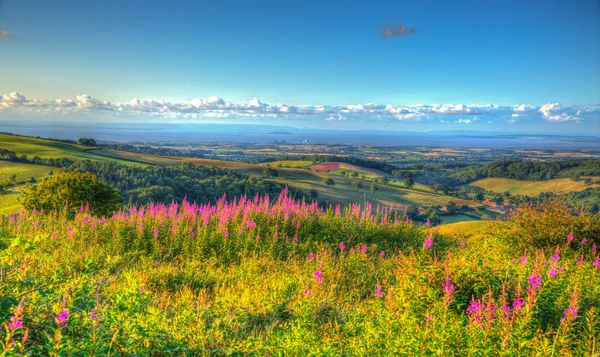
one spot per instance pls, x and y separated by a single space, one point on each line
52 149
24 172
556 186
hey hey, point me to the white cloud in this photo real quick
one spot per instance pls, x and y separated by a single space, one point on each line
215 107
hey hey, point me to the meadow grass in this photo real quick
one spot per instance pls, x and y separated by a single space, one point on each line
289 163
531 188
23 145
257 277
22 171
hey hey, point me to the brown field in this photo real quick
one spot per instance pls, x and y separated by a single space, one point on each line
326 166
571 154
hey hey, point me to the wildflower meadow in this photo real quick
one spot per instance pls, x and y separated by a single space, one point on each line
262 277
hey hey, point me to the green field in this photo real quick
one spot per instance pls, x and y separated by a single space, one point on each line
289 163
31 147
531 188
9 203
24 172
362 171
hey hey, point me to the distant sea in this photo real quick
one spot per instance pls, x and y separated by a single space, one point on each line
111 131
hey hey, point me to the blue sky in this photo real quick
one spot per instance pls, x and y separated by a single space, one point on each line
304 52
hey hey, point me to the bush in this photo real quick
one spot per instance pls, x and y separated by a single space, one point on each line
549 225
71 190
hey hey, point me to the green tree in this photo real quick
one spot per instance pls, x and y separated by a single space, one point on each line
269 172
408 182
374 187
412 212
72 190
451 207
357 184
328 181
314 194
479 196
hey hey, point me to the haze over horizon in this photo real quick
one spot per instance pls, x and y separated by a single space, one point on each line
400 66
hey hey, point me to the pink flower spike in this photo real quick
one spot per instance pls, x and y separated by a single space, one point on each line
342 246
570 238
382 254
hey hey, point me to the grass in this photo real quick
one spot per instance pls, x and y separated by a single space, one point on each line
23 172
289 163
31 147
9 203
531 188
287 279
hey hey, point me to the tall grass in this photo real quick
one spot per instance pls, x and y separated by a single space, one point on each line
261 278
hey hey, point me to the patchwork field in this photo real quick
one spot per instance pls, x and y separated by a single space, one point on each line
557 186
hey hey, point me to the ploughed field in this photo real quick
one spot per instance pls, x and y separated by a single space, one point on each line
262 278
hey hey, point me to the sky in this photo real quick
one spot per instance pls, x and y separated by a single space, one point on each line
418 65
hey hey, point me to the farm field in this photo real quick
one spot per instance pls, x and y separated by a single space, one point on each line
31 147
532 188
23 171
289 163
9 203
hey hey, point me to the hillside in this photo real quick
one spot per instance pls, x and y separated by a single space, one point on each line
532 188
261 277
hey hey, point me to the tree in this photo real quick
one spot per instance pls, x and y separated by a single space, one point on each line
463 192
434 219
269 172
374 187
479 196
412 212
328 181
357 184
71 190
314 194
86 142
451 207
408 182
436 188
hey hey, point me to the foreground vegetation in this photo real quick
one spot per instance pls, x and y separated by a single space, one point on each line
261 277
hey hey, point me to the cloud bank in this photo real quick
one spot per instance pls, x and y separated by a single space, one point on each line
215 109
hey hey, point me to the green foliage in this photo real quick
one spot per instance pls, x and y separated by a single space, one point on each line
409 182
190 290
269 172
527 170
548 225
86 142
356 184
71 190
328 181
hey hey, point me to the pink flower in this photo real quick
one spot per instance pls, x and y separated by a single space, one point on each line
570 238
535 281
155 232
62 318
552 272
524 258
518 304
428 223
596 263
318 276
378 291
428 242
14 323
583 241
364 248
342 246
428 318
382 254
311 255
462 244
225 234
